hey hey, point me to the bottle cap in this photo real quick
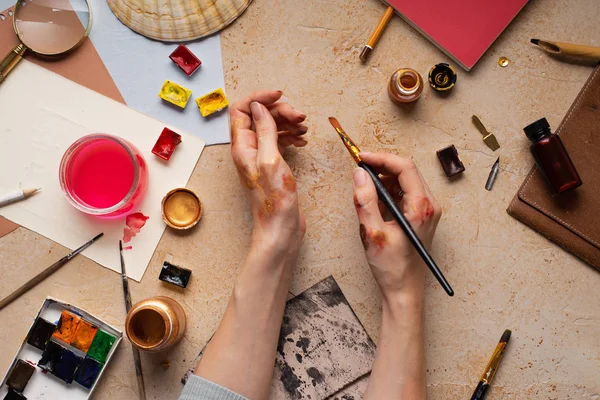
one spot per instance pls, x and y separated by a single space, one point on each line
537 129
442 77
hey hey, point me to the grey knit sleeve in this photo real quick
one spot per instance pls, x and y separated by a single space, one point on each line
198 388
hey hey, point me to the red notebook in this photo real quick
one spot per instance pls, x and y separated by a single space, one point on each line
463 29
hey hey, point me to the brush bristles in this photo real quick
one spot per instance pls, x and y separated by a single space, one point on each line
505 336
334 122
535 41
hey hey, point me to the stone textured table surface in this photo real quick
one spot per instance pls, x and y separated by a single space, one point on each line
504 274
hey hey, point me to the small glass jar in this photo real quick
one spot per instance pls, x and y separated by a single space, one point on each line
155 324
552 158
103 175
406 85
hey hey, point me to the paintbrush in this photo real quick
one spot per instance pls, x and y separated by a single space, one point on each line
492 367
488 137
46 273
136 353
588 53
374 38
387 199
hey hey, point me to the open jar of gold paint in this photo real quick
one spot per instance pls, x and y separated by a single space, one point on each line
155 324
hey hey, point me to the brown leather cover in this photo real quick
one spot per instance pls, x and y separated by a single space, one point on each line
572 220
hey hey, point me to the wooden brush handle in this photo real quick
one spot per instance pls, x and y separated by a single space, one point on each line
33 281
574 50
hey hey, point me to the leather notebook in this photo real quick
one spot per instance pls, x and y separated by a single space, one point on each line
572 219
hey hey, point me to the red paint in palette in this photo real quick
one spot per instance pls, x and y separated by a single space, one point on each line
103 175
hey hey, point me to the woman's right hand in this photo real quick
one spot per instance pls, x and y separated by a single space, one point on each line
396 265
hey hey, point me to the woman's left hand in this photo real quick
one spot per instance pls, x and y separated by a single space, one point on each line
261 129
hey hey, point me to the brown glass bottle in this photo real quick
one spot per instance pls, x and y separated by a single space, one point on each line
551 157
405 85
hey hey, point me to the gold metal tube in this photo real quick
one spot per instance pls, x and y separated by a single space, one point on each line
11 60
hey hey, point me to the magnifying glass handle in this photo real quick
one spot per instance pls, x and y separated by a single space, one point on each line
11 60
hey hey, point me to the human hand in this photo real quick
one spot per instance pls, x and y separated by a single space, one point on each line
396 265
261 129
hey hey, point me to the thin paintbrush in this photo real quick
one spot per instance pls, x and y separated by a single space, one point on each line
45 273
136 353
387 199
490 370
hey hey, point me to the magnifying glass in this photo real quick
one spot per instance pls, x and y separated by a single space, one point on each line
47 28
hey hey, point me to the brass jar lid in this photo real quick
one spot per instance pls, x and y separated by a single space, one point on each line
181 209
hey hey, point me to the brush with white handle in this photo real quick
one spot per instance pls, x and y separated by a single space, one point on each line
16 196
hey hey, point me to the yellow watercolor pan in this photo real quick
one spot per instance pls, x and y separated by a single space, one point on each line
175 94
212 102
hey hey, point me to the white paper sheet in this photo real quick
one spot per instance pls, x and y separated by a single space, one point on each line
41 115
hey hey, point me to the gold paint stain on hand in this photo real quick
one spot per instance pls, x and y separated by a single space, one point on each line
289 183
379 238
252 181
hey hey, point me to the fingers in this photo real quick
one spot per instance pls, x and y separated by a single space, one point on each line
292 129
265 97
408 175
366 200
266 134
285 113
243 144
418 204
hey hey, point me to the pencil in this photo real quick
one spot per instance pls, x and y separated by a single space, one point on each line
45 273
588 53
490 370
374 38
136 353
387 199
16 196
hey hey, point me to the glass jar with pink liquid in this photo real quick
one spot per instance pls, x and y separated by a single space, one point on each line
103 175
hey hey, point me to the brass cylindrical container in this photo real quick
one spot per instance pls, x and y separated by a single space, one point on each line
406 85
155 324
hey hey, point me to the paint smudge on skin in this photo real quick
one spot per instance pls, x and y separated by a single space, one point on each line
135 222
423 209
363 236
289 183
127 247
379 238
252 181
269 204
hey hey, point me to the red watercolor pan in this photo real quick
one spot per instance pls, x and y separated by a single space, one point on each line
185 59
103 175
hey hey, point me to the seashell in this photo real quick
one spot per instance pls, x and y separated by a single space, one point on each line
177 20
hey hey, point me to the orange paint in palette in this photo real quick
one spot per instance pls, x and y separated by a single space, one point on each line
84 335
67 327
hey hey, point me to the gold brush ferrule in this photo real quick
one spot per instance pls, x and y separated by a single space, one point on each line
350 145
492 366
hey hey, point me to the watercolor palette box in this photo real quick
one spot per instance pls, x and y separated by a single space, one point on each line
63 355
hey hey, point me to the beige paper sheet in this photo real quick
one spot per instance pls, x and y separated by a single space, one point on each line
42 114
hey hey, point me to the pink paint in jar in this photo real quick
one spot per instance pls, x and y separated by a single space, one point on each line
103 175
